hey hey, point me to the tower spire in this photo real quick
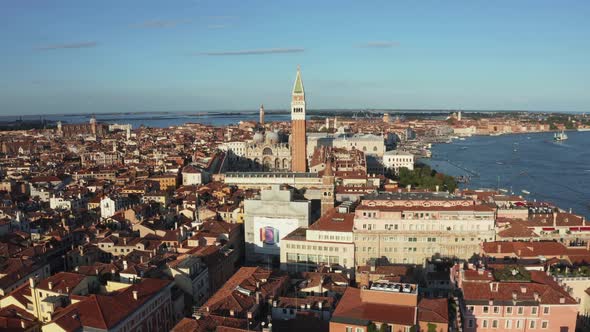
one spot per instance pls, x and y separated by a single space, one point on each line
298 86
298 135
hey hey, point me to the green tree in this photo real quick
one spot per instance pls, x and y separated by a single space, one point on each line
384 328
431 327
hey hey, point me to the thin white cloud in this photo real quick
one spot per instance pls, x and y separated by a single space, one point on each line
75 45
217 26
254 52
379 44
159 24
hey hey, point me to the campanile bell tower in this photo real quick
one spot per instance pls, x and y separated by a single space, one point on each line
298 137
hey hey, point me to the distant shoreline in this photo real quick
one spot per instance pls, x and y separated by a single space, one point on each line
284 111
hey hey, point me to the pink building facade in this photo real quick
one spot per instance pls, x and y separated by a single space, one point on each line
535 304
499 317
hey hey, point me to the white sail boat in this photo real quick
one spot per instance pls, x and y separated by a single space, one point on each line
560 136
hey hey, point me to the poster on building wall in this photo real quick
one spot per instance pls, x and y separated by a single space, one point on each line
269 231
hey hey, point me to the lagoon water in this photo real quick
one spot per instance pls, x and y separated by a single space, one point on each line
557 172
158 119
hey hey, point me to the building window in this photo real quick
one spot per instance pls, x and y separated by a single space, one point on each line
534 310
359 329
520 310
532 324
509 310
519 324
544 324
470 323
484 323
486 309
348 329
546 311
508 324
496 310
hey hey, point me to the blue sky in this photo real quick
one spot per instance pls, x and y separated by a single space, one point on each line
190 55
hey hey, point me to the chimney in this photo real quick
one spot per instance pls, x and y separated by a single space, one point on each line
514 295
231 312
554 219
23 325
257 297
50 284
523 289
536 296
437 188
67 289
135 295
124 265
562 299
320 304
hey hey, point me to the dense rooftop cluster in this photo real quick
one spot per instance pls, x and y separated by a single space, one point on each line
109 228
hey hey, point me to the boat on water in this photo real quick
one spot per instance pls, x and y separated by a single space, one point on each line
526 192
584 129
560 136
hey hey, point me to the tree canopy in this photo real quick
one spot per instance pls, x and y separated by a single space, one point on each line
425 177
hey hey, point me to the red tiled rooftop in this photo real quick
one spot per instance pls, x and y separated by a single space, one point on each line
548 290
334 221
352 308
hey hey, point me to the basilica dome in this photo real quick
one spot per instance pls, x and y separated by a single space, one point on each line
272 137
258 137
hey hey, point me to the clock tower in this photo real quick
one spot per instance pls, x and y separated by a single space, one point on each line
298 137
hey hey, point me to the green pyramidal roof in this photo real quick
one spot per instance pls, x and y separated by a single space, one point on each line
298 88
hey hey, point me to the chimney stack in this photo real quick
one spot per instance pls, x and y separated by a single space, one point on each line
50 284
135 295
